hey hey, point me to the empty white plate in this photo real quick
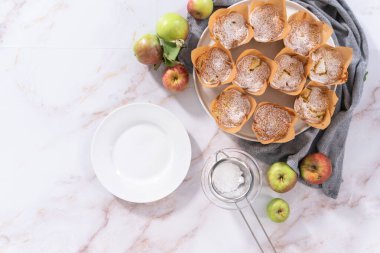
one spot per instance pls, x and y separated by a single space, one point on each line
141 152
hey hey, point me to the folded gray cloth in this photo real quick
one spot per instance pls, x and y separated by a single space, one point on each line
331 141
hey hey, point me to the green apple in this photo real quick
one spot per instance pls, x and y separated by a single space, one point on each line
148 49
200 9
281 177
278 210
172 26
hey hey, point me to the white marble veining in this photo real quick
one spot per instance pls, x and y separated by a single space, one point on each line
65 64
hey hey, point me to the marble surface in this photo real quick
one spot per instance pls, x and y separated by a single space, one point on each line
65 64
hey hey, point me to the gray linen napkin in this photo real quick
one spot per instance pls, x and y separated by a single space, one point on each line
331 141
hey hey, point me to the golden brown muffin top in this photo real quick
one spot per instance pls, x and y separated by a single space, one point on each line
231 108
303 36
289 74
312 103
266 22
271 122
327 65
230 29
214 66
252 73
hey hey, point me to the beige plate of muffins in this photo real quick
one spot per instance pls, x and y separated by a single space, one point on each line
267 70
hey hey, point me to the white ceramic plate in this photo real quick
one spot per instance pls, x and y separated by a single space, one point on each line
206 95
141 152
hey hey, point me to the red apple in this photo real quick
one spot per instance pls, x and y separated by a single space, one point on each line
316 168
176 78
148 50
200 9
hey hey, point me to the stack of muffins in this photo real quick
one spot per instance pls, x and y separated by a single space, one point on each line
305 68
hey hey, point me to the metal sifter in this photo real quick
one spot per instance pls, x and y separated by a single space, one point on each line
231 179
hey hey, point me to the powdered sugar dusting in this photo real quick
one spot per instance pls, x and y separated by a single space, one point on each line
230 30
289 74
214 66
266 22
252 73
327 65
271 122
312 104
303 36
231 108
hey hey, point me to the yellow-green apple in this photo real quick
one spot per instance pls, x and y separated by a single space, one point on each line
278 210
172 26
148 49
176 78
316 168
200 9
281 177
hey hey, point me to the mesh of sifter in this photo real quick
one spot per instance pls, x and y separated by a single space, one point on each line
237 165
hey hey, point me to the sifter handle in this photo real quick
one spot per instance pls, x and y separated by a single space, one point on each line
251 230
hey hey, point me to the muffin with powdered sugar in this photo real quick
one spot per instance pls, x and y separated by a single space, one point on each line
328 65
315 105
268 19
273 123
232 108
292 72
214 65
254 71
230 27
306 33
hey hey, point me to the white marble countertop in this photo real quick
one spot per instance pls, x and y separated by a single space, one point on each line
65 64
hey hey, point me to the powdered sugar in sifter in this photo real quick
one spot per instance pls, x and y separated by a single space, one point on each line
232 179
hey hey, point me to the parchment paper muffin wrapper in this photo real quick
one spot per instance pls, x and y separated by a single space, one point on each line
241 9
333 99
346 53
291 132
199 51
306 67
280 4
272 65
238 128
304 16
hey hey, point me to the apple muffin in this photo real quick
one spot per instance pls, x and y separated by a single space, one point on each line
254 71
329 64
306 33
273 123
291 74
230 27
269 20
312 103
315 105
232 108
214 65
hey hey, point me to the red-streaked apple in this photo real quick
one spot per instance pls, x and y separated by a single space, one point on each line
281 177
171 27
316 168
176 78
148 49
278 210
200 9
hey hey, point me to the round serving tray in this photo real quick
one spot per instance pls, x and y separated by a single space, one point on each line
206 95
